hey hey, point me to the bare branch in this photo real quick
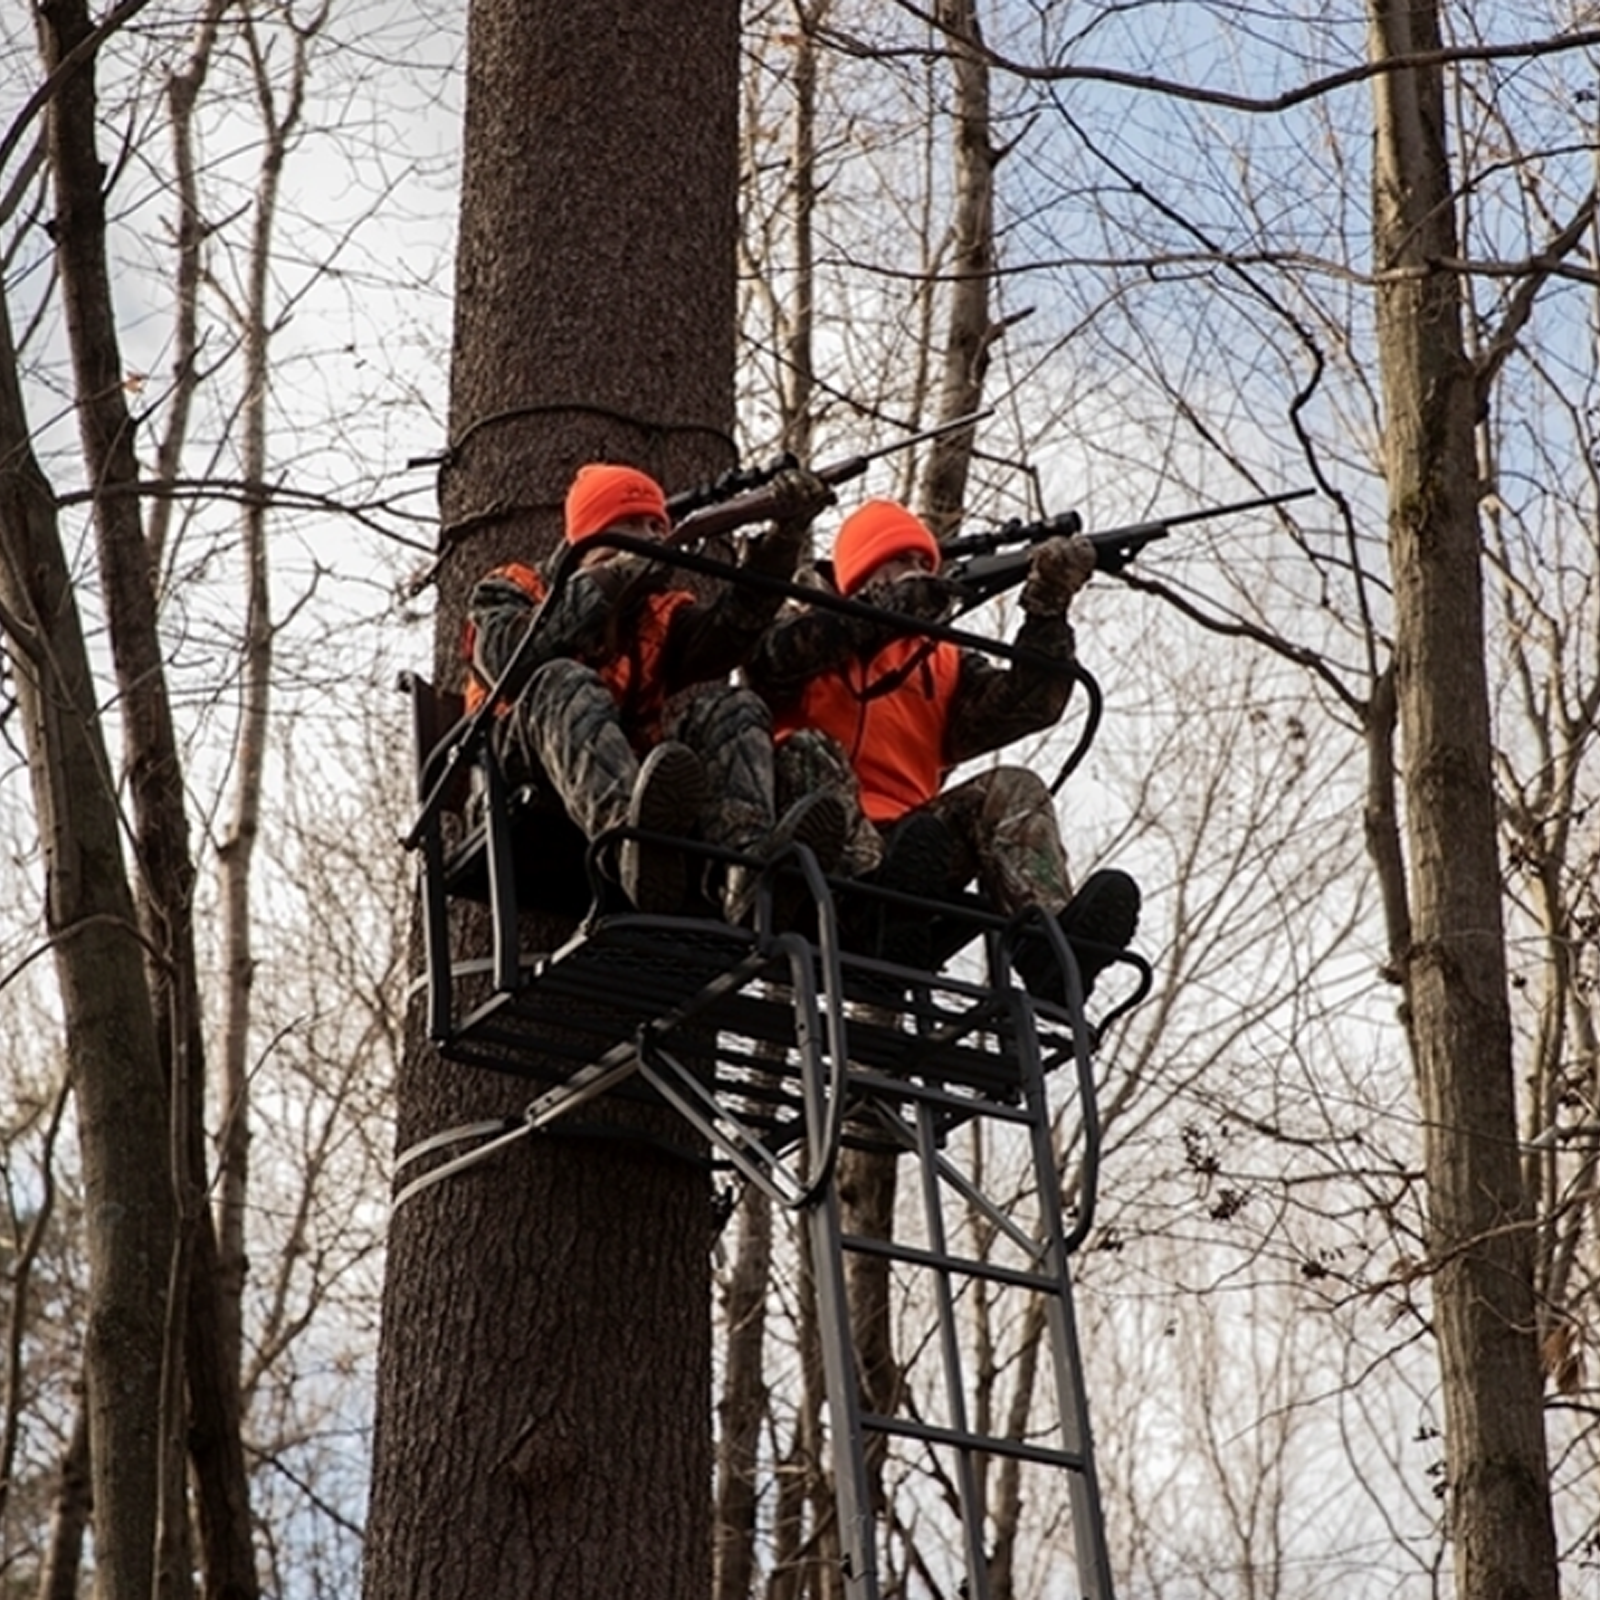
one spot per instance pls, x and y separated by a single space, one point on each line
69 65
1238 628
257 494
1540 269
1168 88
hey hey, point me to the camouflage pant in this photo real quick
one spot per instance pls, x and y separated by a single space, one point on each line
565 735
1006 835
1002 822
731 731
809 761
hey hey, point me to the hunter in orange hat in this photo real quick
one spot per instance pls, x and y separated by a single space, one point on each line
866 704
608 496
626 714
881 541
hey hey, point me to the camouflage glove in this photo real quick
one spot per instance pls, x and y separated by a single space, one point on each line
1058 569
922 596
626 573
798 494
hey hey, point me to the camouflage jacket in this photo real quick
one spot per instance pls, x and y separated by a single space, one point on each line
992 705
589 620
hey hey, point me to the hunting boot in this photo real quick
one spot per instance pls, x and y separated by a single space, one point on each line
565 722
918 859
819 821
1099 923
667 796
809 761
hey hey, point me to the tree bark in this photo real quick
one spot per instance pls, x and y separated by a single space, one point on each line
805 1559
971 329
799 379
1454 968
237 852
22 1256
69 1520
868 1180
183 94
543 1421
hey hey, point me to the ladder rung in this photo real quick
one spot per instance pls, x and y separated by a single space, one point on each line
927 1094
983 1442
864 1245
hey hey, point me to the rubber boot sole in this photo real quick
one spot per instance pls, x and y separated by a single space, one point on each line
667 797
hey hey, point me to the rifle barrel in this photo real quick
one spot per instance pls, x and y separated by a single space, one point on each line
989 562
972 418
1219 511
742 484
1021 535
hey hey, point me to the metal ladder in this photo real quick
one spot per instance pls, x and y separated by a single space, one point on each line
913 1114
777 1048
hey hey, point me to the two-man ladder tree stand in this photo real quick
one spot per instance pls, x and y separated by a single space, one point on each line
777 1045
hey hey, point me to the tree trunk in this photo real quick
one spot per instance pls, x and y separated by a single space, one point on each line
971 330
867 1182
544 1368
743 1408
805 1558
69 1518
1454 968
799 379
237 852
183 94
165 882
111 1044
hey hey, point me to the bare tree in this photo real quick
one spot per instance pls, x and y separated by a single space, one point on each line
1202 329
1179 266
123 887
100 950
1451 952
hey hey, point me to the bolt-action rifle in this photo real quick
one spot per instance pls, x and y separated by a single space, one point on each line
982 565
734 482
743 496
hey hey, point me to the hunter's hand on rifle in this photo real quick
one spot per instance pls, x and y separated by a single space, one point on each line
1057 570
625 574
798 495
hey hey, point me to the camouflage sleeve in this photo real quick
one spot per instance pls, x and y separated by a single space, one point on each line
995 705
776 552
725 632
500 609
804 643
712 638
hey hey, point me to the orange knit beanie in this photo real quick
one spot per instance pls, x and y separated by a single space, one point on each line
603 494
870 535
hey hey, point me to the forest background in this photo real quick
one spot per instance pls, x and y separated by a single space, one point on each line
1181 306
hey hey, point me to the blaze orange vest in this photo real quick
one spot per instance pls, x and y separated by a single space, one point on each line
633 676
890 715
